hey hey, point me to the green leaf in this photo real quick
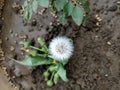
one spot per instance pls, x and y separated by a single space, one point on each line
34 5
62 18
26 15
41 41
85 5
33 52
26 44
62 73
64 62
68 8
77 15
34 61
25 4
30 12
43 44
43 3
59 4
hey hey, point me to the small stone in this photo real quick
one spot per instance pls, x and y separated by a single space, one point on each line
96 36
16 35
24 37
16 88
15 42
13 76
10 83
40 13
58 23
11 31
99 19
96 15
106 75
6 38
98 24
34 22
41 26
118 2
2 18
4 68
109 43
55 16
113 8
43 10
51 23
12 48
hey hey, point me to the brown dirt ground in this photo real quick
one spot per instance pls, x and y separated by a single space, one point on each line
95 64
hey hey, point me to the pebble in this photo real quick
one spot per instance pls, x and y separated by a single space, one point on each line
15 42
12 48
40 13
24 37
118 2
6 38
96 36
16 88
34 22
41 26
51 23
106 75
113 8
11 31
2 18
109 43
13 76
98 24
16 35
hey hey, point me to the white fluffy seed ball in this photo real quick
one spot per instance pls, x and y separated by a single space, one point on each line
61 48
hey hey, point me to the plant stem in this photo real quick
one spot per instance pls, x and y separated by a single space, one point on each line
41 55
36 48
52 76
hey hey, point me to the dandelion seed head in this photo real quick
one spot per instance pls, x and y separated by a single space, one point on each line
61 48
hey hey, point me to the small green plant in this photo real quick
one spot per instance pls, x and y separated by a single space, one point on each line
56 57
77 9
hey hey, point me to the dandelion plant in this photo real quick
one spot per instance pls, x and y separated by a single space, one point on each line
56 56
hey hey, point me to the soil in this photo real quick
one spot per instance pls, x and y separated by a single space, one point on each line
4 82
95 64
